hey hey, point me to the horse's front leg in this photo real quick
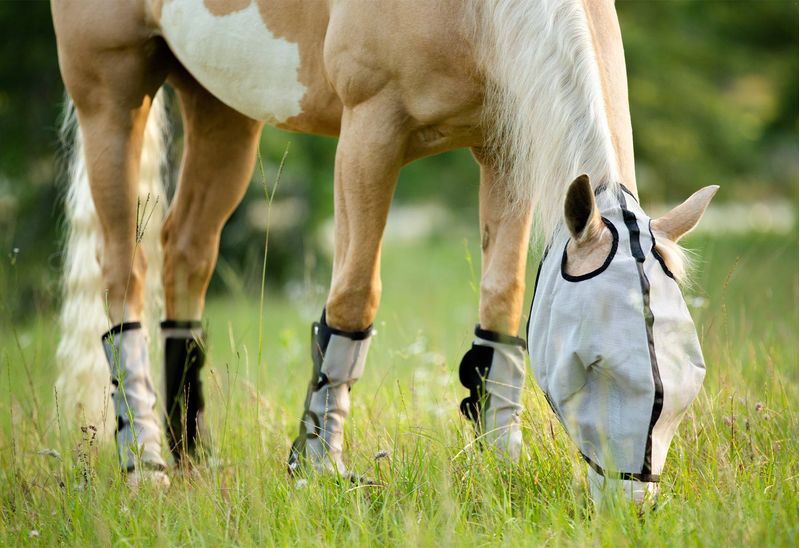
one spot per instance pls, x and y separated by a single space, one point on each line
219 152
494 368
368 160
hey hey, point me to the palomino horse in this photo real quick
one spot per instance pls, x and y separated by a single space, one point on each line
537 90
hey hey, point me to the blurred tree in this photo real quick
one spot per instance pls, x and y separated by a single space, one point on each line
30 90
713 94
30 102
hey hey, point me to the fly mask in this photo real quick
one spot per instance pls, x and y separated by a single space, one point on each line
614 349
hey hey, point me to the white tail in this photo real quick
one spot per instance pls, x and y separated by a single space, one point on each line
83 381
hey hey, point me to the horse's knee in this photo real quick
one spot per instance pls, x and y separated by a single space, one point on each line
501 302
501 290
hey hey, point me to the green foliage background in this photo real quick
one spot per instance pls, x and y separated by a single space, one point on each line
713 94
713 90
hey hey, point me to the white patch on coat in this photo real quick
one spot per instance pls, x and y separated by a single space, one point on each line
236 58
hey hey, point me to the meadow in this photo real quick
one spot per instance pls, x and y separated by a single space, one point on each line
731 476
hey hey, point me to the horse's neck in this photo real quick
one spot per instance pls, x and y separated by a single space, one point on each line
607 43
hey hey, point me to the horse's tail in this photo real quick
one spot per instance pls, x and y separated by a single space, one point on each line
82 387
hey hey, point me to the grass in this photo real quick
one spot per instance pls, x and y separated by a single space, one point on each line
731 476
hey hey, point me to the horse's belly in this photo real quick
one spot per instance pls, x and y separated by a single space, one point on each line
236 57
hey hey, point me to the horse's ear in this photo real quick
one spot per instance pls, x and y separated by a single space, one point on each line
683 218
580 210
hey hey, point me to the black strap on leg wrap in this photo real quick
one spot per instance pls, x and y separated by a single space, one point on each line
184 357
474 370
494 336
119 329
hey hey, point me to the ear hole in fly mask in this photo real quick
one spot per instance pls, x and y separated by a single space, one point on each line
588 259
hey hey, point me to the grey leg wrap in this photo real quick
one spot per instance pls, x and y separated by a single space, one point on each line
338 359
138 432
184 357
494 372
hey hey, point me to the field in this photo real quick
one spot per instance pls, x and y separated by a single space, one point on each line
731 476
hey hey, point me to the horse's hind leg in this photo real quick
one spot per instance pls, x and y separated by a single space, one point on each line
494 369
112 78
219 152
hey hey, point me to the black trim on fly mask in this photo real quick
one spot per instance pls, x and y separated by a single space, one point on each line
184 357
582 277
474 370
321 334
658 397
535 287
631 476
658 255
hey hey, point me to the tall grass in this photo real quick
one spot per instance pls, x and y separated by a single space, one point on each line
731 476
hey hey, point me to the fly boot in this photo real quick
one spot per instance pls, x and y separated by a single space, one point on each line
494 372
338 359
184 357
138 433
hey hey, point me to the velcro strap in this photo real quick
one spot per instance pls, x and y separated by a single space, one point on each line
494 336
352 335
472 372
118 329
181 324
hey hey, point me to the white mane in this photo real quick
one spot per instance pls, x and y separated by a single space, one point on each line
545 111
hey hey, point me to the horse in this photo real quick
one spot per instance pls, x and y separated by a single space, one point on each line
537 91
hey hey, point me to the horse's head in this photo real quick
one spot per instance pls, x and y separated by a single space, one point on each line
611 340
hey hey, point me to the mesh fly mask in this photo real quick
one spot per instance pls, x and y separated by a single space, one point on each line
615 350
